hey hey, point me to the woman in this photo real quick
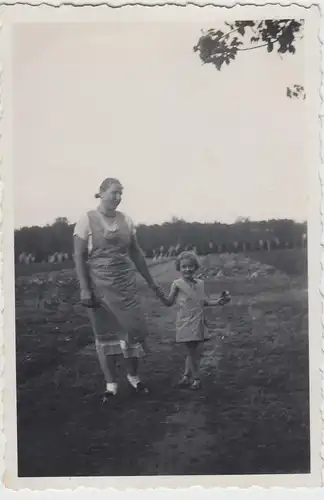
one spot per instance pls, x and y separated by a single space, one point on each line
105 251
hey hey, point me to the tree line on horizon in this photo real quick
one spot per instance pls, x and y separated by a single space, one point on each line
204 237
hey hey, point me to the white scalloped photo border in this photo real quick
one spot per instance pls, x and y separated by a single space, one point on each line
258 492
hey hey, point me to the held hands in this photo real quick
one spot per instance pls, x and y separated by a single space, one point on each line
157 289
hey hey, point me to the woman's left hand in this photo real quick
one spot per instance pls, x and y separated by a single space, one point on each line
157 290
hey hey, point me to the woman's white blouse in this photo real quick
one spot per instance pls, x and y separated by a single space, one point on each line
82 229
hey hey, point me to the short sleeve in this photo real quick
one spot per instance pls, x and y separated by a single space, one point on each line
130 224
82 228
174 287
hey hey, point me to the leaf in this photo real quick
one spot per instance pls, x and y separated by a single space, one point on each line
241 30
218 63
296 91
282 50
219 34
270 47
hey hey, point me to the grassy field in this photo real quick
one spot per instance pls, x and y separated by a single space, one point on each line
250 417
292 261
42 267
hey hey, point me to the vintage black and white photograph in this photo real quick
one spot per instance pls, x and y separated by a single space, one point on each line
164 239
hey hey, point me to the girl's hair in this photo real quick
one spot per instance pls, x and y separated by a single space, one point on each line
106 184
187 255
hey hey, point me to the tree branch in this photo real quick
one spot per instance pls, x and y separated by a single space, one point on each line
256 47
262 45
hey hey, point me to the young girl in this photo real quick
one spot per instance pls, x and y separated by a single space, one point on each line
189 293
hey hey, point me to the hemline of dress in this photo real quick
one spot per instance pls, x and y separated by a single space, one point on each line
114 348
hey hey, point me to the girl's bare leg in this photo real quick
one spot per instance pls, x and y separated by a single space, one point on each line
185 379
193 360
187 370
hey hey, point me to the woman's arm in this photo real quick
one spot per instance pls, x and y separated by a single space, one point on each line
139 260
80 258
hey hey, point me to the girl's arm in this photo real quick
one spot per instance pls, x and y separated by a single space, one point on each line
138 258
223 299
212 303
171 298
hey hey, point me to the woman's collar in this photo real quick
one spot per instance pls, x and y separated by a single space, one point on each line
111 213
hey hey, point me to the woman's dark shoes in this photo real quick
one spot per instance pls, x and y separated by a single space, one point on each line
108 396
141 388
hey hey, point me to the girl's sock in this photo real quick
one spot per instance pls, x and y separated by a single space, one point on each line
133 380
112 387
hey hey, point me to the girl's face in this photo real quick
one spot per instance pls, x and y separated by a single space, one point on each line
112 197
187 268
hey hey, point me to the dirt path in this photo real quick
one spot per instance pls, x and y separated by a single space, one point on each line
187 444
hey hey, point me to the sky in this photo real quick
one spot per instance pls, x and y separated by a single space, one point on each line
133 101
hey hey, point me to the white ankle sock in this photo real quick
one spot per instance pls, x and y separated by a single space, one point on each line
133 380
111 387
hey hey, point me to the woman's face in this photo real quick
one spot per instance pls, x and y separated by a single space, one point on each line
112 197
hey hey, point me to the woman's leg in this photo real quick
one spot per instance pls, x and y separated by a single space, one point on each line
131 366
132 375
107 345
108 367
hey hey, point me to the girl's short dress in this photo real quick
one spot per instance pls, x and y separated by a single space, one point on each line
118 323
190 321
